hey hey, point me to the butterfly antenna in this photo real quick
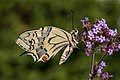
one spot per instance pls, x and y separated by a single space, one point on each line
72 15
72 18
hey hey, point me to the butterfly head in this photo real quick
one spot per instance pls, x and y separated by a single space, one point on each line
74 34
24 41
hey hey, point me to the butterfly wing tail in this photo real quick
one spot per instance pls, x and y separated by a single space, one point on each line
35 57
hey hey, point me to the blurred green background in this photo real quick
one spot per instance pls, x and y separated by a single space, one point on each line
17 16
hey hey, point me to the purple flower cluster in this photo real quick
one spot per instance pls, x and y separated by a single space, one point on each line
100 67
99 73
110 48
97 34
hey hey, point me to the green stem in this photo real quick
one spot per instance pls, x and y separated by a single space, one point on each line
101 59
91 77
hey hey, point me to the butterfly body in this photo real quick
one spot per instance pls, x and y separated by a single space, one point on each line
46 42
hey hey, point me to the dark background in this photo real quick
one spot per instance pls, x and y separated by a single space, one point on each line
17 16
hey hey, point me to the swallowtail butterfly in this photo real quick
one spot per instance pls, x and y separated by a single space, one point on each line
46 42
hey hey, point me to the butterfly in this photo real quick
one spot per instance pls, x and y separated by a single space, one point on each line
46 42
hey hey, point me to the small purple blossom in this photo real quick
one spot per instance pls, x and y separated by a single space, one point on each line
110 51
113 32
86 19
99 71
118 46
104 49
107 40
100 67
97 26
105 46
95 30
97 38
101 38
89 44
82 21
103 23
102 63
84 33
103 20
87 53
90 32
90 35
105 26
105 75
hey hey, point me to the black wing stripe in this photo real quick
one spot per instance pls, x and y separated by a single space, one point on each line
44 34
49 29
58 44
28 34
36 33
24 41
60 36
66 35
47 55
31 47
58 47
33 41
51 39
42 28
34 56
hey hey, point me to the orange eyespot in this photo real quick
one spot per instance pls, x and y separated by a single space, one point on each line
45 58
